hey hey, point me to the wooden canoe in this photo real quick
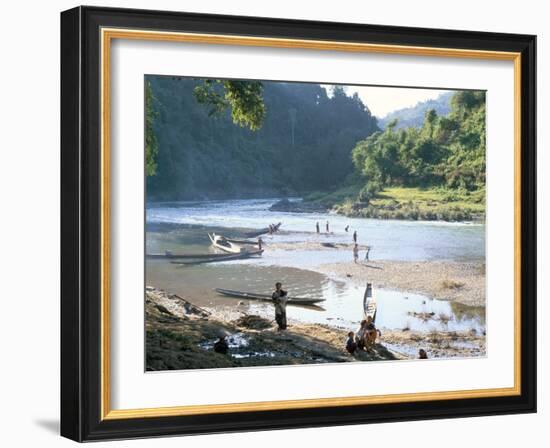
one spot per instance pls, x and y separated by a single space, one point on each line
266 297
224 244
220 257
263 231
369 303
184 256
245 242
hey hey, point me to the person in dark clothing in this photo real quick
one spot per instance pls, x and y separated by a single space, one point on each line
361 338
327 227
367 253
260 242
351 345
221 346
317 226
422 354
355 236
346 228
280 298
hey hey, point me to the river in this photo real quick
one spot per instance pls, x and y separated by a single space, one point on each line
292 255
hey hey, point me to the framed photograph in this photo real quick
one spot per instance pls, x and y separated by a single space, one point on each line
277 224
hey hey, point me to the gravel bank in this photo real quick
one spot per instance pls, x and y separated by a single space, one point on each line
463 282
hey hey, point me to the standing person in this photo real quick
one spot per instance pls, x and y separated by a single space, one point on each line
260 242
355 252
367 253
327 227
280 298
346 228
355 236
317 226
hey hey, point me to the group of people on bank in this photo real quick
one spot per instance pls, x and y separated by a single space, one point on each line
365 337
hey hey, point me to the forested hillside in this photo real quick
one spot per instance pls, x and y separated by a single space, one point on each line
414 116
445 151
433 172
302 139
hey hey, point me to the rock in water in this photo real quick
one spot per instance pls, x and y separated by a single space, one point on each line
285 205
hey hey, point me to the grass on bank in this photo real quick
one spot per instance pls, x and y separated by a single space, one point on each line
411 203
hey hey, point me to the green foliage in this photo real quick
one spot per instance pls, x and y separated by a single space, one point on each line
151 144
244 98
445 151
304 142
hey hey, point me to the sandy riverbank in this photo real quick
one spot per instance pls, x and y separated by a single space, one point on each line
180 335
463 282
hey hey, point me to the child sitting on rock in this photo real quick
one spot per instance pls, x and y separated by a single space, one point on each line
351 345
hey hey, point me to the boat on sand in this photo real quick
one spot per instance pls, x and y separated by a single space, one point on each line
170 255
274 228
214 258
369 303
266 297
224 244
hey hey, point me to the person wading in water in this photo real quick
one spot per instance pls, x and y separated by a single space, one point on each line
280 298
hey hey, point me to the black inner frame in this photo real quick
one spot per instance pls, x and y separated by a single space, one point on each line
81 221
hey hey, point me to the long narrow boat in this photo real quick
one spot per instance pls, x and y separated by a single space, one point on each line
184 256
266 297
369 303
259 232
244 242
220 257
222 243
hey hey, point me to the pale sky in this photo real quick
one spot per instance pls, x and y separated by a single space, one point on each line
382 100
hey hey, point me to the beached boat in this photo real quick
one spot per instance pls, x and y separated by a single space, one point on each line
215 258
369 303
224 244
266 297
170 255
259 232
243 242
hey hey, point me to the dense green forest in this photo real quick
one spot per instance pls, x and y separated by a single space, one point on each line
445 151
210 139
414 116
436 171
220 139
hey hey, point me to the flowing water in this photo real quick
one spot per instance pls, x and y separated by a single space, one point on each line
182 228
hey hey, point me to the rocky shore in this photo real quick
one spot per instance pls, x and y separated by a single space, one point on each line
180 335
285 205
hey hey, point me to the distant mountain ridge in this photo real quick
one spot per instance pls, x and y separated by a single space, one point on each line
414 116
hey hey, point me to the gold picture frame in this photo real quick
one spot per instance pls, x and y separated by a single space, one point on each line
106 31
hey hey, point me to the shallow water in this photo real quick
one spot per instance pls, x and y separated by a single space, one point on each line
390 239
342 308
183 227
